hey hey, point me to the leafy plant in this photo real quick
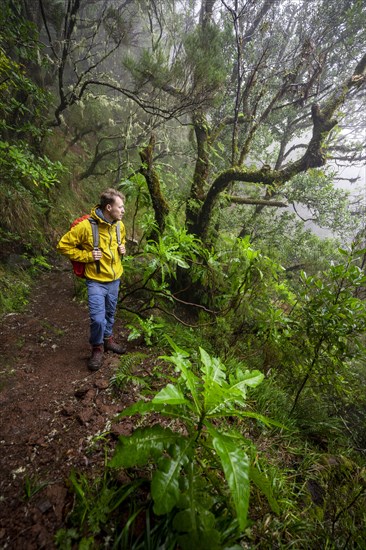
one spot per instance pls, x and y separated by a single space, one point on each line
149 328
19 164
177 248
32 486
23 104
328 206
40 262
192 460
14 290
328 322
97 508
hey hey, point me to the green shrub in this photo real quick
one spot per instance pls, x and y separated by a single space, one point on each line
192 461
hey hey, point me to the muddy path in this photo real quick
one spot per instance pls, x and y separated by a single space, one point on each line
51 406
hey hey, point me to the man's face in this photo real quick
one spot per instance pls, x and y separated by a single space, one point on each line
115 210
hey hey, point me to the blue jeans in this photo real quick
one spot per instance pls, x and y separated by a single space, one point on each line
102 301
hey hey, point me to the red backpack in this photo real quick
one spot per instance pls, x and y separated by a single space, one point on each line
79 267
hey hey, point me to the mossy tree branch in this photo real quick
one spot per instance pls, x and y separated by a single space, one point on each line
256 202
314 157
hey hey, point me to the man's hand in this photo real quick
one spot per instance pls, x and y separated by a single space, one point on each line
97 254
122 249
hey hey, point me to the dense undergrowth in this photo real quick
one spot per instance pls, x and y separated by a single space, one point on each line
255 443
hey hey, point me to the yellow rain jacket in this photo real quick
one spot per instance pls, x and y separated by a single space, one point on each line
77 244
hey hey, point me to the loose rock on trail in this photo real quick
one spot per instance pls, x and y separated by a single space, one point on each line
51 406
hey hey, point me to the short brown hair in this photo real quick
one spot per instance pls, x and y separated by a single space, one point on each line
109 196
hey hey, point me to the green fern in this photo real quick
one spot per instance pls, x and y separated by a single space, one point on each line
123 374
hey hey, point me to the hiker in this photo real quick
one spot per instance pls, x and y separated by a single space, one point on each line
103 268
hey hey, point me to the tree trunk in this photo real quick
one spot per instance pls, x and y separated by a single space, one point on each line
160 206
200 176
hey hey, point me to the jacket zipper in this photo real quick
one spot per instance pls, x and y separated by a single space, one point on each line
110 249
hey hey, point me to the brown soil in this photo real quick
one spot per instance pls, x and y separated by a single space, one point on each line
51 406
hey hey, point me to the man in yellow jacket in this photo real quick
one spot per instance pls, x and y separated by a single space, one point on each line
103 269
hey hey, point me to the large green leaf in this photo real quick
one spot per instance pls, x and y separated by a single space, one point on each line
262 482
192 383
213 369
195 522
244 414
247 378
235 464
219 398
144 444
171 395
141 407
222 397
183 365
204 540
165 481
144 407
181 353
187 521
214 381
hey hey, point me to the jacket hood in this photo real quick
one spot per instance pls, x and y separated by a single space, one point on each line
97 214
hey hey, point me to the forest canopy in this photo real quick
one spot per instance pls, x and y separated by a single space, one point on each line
227 103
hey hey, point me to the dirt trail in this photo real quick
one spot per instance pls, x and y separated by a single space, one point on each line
50 405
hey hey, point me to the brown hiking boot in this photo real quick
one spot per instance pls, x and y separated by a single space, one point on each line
95 361
111 345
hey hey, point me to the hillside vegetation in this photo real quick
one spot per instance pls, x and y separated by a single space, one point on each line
217 120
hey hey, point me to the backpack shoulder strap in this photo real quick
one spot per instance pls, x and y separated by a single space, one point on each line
94 226
118 232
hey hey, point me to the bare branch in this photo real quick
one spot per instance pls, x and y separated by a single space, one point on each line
293 148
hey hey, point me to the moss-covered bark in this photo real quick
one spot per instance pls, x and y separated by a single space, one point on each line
201 171
160 206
